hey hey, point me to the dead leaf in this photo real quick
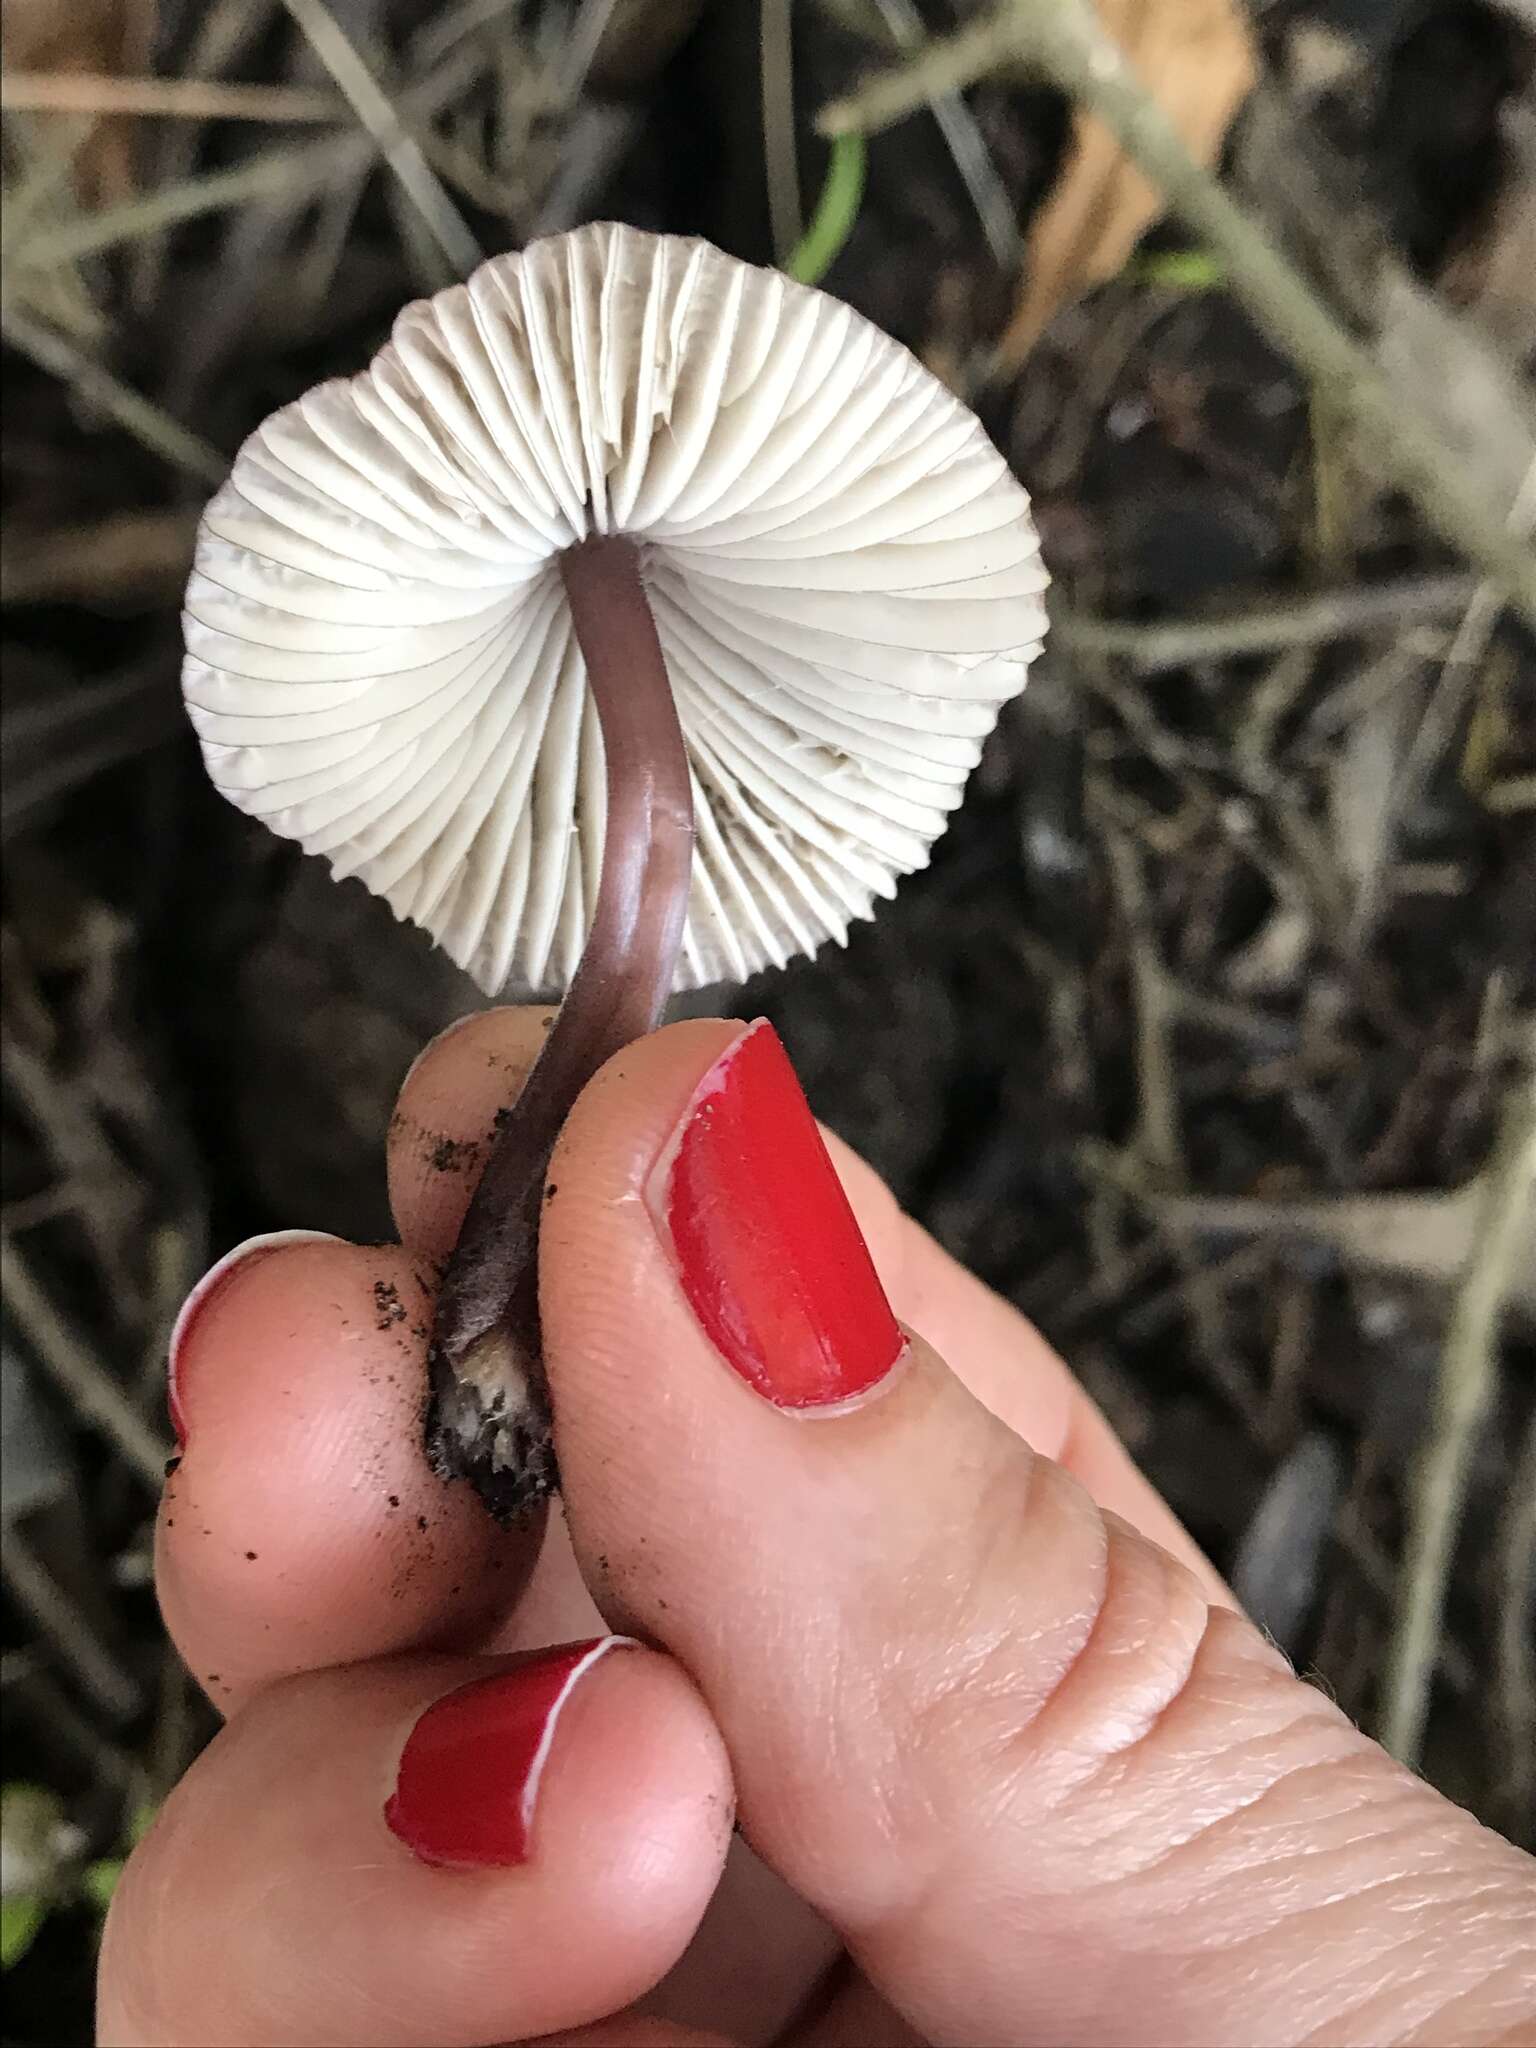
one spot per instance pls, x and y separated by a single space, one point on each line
1196 59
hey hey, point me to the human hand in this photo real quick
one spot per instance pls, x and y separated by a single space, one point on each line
1015 1771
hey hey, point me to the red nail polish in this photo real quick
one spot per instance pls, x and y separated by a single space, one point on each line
213 1283
772 1261
469 1775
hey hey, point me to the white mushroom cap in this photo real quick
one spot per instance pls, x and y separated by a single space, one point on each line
380 657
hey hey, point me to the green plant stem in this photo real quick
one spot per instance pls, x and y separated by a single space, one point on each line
836 211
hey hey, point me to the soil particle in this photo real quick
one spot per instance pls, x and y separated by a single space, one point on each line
388 1307
453 1155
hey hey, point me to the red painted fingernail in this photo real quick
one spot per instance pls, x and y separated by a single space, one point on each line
772 1261
469 1776
212 1283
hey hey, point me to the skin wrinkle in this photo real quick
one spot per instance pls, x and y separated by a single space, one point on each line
1239 1815
1086 1675
1402 1989
884 1927
1442 2028
1005 1515
1229 1946
1349 1958
932 1722
1403 1996
1311 1852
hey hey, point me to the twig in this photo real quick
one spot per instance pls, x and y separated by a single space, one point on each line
75 1143
184 99
1425 1237
1514 1683
1157 1134
1067 42
1305 622
399 149
1391 671
94 1394
97 385
1202 1285
34 1588
1454 683
1463 1394
966 144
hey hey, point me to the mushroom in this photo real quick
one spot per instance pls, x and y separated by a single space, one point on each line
631 623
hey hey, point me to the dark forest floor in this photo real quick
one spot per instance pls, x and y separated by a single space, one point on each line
1196 1036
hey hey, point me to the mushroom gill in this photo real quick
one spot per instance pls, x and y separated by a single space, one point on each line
620 530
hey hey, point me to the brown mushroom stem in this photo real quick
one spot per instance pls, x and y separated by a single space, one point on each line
488 1419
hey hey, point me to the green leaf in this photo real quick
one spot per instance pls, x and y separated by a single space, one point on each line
1186 270
21 1915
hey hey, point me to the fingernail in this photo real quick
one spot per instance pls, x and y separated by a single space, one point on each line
211 1284
468 1782
770 1257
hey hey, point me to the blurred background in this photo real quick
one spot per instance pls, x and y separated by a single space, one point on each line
1207 1036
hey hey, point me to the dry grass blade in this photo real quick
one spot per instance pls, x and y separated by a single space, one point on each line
1302 622
292 174
35 1589
400 150
1463 1395
184 99
99 387
966 144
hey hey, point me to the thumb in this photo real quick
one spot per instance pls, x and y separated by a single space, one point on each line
1047 1789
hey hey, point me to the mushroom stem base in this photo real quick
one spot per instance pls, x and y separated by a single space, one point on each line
488 1416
